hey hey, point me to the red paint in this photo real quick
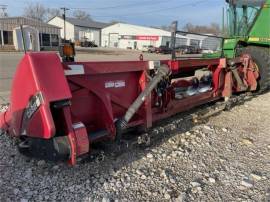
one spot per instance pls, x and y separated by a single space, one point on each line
147 38
37 73
103 93
82 140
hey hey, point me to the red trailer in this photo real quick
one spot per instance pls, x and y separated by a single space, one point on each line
58 109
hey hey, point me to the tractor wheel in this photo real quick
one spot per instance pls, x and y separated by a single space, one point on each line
261 57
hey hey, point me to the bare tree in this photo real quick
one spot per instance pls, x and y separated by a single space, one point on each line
82 15
112 22
213 28
36 11
189 27
52 12
3 15
165 27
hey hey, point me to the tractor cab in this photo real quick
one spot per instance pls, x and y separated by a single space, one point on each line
242 15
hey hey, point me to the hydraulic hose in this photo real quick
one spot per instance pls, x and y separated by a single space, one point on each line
121 124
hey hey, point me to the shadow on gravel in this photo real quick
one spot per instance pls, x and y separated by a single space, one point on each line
137 144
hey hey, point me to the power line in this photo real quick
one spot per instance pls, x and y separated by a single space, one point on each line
121 6
64 17
154 11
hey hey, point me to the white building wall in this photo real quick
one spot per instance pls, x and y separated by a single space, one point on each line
90 33
112 36
70 30
137 44
31 39
121 29
206 42
196 38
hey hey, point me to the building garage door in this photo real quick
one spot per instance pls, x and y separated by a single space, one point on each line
113 40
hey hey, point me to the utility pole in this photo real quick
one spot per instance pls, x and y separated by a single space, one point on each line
3 9
64 18
223 22
174 26
3 14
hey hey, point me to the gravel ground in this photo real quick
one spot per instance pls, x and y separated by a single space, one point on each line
223 158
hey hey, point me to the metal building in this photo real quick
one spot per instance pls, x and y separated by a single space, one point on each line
48 35
122 35
79 30
205 42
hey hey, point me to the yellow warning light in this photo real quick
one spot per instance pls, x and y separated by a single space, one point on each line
68 50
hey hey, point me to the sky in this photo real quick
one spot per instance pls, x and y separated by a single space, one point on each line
140 12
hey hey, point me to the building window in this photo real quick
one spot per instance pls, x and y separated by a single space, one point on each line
8 37
195 43
54 40
40 39
46 40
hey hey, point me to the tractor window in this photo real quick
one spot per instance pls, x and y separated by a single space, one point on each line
252 13
241 18
246 19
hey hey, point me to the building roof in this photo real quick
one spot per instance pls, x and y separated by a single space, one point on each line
131 29
26 21
85 23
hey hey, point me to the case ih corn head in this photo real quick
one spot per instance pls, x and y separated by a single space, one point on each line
58 109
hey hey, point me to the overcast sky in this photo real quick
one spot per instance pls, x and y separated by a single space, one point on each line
141 12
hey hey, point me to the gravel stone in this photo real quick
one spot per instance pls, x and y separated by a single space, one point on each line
143 177
255 176
247 141
149 155
105 199
246 183
41 163
16 191
225 157
207 127
212 180
139 172
195 184
56 167
225 130
167 196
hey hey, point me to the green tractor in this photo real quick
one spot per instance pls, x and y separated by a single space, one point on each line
249 32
